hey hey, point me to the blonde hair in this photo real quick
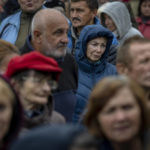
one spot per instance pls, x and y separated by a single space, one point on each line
101 95
6 49
7 91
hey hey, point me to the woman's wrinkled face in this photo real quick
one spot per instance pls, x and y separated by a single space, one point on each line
6 112
36 88
96 48
120 119
145 8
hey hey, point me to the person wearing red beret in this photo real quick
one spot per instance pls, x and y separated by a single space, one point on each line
34 76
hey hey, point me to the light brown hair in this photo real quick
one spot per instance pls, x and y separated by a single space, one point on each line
6 49
101 95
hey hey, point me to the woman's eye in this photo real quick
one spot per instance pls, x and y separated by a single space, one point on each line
103 46
94 44
110 110
127 107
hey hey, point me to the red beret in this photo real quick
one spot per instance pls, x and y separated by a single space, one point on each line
33 60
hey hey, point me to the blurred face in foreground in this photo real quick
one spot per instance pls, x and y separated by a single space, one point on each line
120 117
6 109
36 88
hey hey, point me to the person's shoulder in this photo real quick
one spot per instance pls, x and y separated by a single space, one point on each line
133 31
111 68
12 18
15 14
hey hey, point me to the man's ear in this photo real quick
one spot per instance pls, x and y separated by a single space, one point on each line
122 69
37 36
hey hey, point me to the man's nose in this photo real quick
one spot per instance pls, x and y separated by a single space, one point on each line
99 49
74 14
65 38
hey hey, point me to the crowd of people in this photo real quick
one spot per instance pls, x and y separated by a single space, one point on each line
74 75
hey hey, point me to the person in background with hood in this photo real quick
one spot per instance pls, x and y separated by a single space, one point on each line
82 13
128 5
34 76
115 16
91 55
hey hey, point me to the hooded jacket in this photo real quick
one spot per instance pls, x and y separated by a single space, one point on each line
121 18
90 73
72 37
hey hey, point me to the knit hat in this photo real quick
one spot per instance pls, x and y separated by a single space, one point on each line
33 60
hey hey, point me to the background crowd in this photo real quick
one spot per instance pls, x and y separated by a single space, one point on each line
74 74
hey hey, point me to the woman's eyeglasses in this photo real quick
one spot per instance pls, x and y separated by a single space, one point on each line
41 80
